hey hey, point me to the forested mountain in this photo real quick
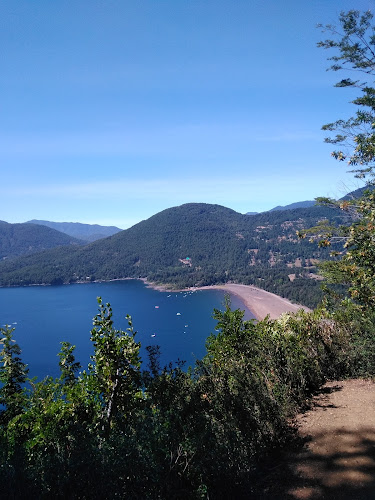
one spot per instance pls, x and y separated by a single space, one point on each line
85 232
222 429
192 245
26 239
357 193
310 203
297 204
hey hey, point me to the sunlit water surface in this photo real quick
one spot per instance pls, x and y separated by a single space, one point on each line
43 316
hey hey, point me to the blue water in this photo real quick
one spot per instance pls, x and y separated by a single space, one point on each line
45 316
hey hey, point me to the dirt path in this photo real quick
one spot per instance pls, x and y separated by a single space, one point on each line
337 460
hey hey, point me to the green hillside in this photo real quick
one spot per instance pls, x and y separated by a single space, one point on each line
192 245
26 239
298 204
85 232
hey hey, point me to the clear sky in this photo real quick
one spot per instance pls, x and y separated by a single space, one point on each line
113 110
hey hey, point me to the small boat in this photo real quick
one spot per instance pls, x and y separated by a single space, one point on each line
153 335
156 307
178 314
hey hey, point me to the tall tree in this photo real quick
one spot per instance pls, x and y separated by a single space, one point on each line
13 373
68 365
353 43
116 368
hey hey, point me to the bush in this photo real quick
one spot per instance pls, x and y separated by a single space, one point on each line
173 433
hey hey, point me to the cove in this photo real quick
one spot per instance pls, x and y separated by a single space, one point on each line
44 316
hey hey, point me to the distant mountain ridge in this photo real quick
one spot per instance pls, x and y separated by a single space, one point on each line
357 193
192 245
25 239
85 232
310 203
297 204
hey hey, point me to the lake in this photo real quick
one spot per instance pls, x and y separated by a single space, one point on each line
43 316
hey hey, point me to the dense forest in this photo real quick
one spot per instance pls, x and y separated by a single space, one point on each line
194 245
85 232
27 239
115 430
125 428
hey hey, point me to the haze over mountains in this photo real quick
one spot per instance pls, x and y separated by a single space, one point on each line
310 203
35 236
191 245
298 204
24 239
84 232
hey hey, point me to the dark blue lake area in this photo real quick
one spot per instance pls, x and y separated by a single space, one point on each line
44 316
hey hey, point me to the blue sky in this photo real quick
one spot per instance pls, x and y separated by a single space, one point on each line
111 111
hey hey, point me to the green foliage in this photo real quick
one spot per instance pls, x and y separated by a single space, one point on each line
360 328
13 374
85 232
68 366
26 239
114 430
223 246
117 431
69 429
353 42
115 372
356 267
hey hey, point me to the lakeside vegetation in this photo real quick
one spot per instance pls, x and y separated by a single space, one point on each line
221 245
115 430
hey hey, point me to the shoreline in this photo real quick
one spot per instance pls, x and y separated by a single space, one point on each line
258 301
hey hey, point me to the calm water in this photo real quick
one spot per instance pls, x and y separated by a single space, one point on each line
45 316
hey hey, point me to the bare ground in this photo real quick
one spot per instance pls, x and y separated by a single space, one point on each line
260 302
336 459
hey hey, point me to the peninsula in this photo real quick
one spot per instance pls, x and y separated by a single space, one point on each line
260 302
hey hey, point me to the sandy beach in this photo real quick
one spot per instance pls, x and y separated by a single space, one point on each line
258 301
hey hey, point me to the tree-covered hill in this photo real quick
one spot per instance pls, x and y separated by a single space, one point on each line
353 195
298 204
192 245
25 239
310 203
85 232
